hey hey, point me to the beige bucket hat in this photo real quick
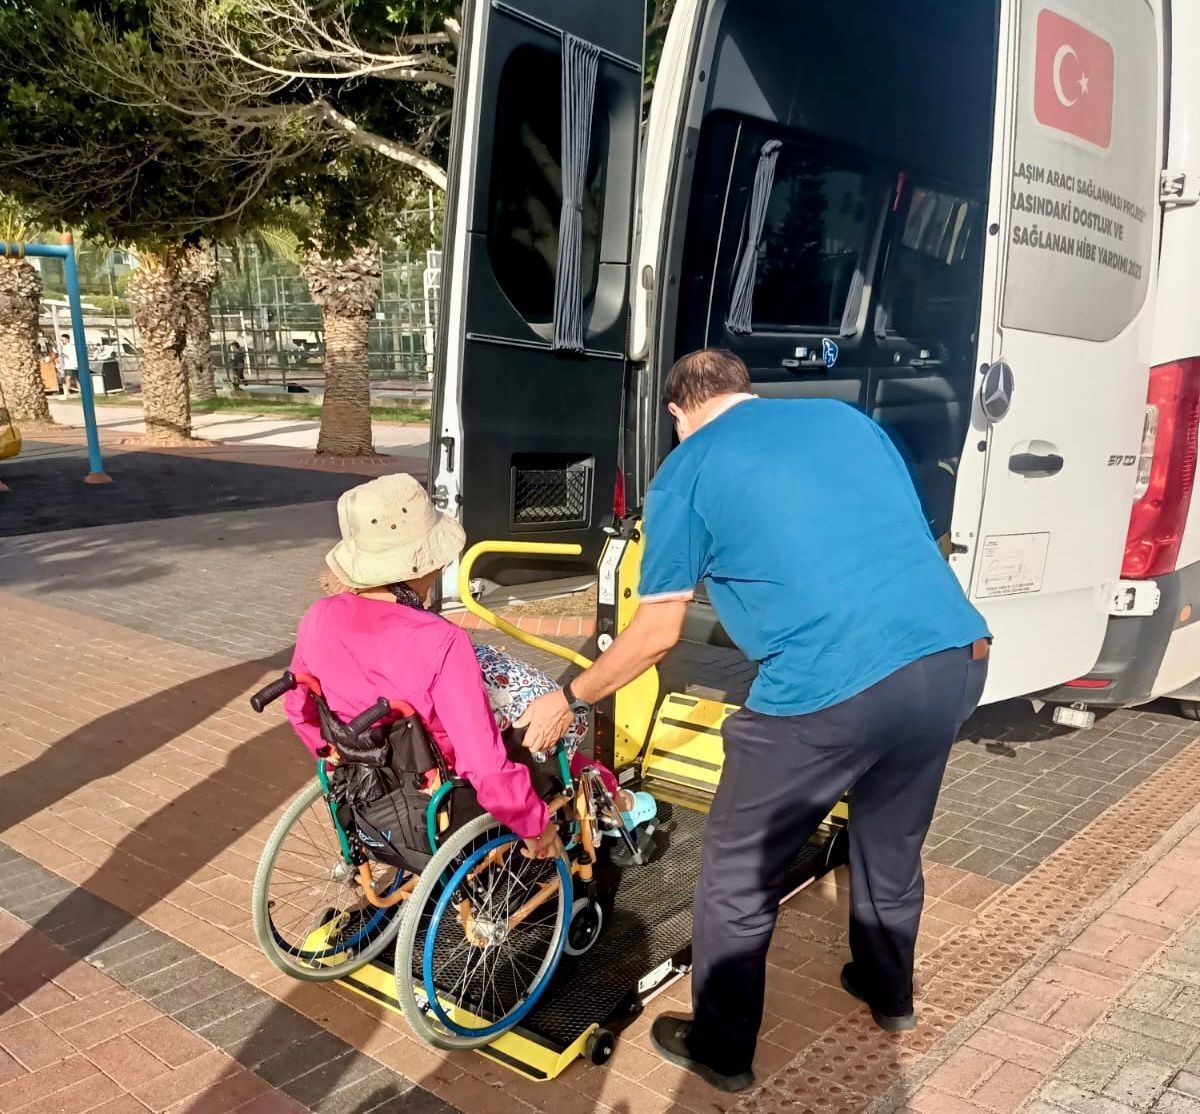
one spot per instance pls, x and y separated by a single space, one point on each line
391 532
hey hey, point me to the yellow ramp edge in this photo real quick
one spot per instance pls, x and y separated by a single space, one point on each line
521 1052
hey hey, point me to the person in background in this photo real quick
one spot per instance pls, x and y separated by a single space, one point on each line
69 363
237 365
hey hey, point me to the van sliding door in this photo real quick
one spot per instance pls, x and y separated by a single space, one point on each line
532 360
1047 476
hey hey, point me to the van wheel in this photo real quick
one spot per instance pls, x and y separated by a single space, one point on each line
1189 709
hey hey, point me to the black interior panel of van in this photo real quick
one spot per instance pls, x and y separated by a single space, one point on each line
868 268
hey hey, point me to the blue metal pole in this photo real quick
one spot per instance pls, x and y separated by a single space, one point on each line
66 252
96 473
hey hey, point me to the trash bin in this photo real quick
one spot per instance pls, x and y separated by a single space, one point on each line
107 378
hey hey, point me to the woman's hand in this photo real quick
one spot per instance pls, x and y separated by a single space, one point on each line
545 846
546 721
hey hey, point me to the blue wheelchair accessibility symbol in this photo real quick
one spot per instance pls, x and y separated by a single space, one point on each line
829 352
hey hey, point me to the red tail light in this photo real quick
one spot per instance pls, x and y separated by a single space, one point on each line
1160 514
1088 683
619 506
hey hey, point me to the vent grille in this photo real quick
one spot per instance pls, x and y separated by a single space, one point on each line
549 491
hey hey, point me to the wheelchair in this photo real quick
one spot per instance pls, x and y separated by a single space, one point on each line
387 847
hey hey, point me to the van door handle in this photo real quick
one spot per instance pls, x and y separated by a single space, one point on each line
1035 465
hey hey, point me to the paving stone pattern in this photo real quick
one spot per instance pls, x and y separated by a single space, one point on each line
1144 1054
283 1048
852 1063
232 583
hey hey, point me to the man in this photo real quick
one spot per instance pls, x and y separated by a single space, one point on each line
237 365
69 362
802 520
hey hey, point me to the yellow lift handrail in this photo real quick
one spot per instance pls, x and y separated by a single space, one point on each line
546 549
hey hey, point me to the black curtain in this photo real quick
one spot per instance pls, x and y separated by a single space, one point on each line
580 65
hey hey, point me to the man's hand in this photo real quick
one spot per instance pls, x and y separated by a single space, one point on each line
546 846
546 721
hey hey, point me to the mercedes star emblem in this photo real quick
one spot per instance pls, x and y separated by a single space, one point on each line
996 391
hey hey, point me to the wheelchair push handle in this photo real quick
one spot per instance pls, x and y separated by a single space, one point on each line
366 719
269 693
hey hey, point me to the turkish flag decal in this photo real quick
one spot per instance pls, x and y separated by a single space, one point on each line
1073 80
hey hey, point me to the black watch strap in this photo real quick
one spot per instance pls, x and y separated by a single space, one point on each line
573 702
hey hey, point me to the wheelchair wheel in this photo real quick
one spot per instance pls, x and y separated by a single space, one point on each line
310 914
480 937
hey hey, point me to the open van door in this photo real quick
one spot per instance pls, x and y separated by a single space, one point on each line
532 360
1066 313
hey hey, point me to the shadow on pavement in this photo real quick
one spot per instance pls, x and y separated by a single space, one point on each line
177 842
47 492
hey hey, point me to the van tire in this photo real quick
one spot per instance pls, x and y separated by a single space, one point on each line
1189 709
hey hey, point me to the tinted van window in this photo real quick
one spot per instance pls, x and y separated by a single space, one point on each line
819 221
931 281
526 184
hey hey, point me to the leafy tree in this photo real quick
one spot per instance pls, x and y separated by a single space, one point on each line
378 74
90 140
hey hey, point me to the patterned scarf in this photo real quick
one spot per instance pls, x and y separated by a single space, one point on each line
405 595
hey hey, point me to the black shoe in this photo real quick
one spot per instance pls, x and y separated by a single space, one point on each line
669 1036
889 1023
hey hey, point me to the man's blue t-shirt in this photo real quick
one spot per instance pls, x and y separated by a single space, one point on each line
801 518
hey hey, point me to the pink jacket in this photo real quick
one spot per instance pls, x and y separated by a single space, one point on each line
361 649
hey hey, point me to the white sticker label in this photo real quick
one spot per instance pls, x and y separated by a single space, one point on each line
613 552
652 978
1012 565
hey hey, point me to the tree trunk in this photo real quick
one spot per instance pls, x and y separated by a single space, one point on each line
346 413
346 290
20 376
198 276
156 298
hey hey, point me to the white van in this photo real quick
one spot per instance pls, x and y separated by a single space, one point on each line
945 213
1152 648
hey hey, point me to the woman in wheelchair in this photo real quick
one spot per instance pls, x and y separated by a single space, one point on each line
375 638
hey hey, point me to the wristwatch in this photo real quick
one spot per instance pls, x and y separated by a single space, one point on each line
579 707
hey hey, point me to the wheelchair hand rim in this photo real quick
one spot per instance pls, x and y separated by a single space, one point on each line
531 997
328 953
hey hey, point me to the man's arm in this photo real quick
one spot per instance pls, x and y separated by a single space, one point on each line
655 628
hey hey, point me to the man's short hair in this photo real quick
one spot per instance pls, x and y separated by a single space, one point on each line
703 375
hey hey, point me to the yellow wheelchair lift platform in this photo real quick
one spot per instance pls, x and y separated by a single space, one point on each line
670 744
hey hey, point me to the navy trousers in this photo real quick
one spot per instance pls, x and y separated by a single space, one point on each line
782 774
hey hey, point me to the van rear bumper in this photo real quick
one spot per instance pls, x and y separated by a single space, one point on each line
1134 648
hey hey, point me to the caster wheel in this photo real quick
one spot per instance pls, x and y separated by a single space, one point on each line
600 1045
1189 709
587 922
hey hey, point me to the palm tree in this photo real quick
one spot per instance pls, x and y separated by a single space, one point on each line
198 276
156 297
346 289
20 302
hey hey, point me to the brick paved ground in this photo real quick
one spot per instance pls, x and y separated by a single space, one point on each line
136 789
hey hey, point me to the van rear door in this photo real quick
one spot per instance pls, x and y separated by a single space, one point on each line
1058 416
535 295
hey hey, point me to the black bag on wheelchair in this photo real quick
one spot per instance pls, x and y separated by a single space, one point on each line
379 788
